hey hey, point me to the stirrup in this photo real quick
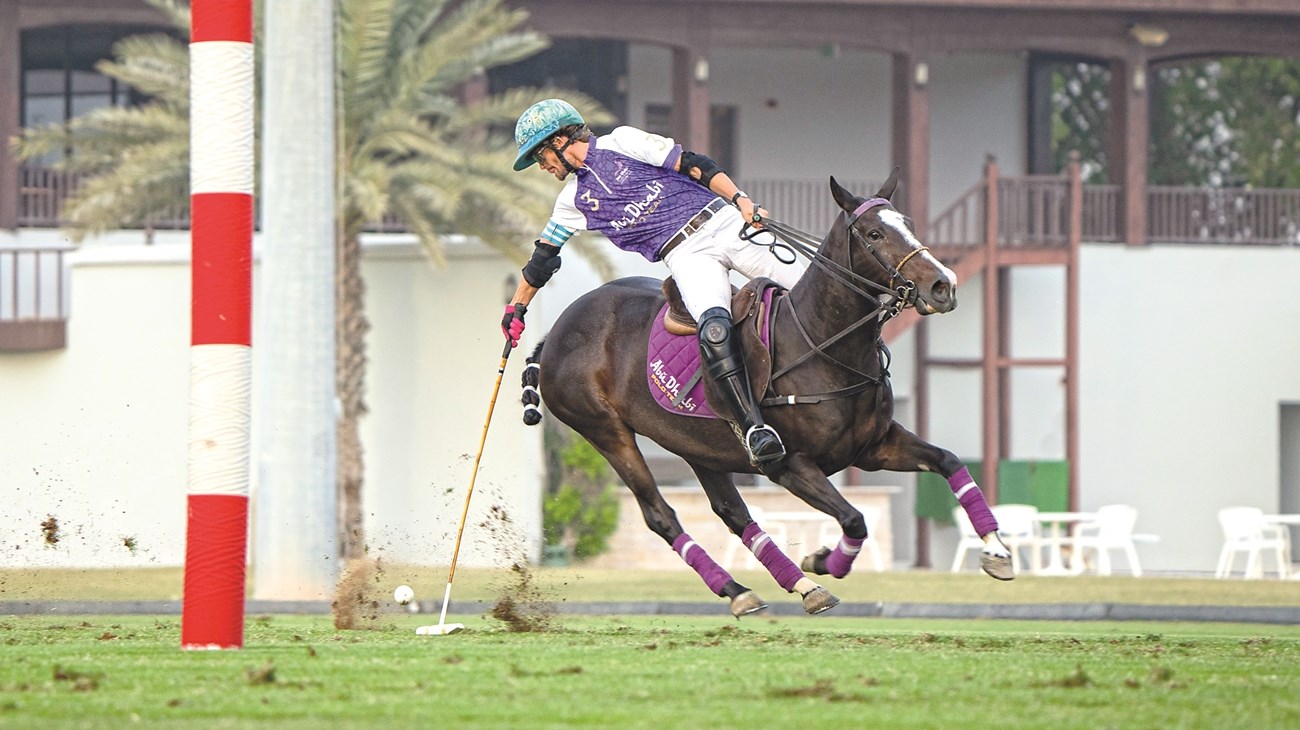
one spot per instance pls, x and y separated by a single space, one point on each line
757 459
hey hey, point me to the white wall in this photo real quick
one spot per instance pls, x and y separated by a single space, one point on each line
1186 353
96 434
435 347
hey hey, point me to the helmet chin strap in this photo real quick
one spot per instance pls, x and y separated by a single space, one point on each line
559 152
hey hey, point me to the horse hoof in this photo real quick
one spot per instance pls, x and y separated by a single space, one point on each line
998 566
819 599
746 603
816 563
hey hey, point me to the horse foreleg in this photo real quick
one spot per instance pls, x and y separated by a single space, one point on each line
730 507
903 451
806 481
618 446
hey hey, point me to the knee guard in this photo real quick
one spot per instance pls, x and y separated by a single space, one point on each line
717 346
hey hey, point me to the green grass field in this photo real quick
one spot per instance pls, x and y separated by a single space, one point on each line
655 671
652 672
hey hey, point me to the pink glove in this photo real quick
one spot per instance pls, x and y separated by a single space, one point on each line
512 324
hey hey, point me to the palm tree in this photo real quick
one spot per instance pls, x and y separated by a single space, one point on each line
409 148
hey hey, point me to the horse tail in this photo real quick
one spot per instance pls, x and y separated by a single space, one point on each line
532 398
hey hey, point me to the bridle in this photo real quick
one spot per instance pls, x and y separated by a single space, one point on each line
787 241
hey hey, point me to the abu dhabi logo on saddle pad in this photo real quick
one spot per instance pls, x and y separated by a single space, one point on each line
673 368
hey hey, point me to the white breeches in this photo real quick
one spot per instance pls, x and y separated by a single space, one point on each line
701 264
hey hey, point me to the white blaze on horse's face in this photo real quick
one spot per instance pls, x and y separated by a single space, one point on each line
898 222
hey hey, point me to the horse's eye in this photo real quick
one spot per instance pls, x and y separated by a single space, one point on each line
875 235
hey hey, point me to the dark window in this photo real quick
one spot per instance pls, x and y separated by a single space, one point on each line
59 79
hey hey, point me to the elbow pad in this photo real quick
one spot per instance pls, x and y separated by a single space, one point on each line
543 265
699 168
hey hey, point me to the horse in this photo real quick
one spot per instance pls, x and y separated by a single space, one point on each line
827 392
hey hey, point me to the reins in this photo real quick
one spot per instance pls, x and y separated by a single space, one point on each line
787 238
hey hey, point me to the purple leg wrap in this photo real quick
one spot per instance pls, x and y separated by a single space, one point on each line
712 573
782 568
972 500
840 561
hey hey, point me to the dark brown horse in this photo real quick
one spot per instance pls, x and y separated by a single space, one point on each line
827 394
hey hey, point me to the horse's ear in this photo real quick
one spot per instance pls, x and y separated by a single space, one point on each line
887 190
843 198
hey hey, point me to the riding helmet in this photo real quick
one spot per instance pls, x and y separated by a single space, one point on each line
538 123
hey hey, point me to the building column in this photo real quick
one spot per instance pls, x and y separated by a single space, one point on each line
1130 131
10 86
690 123
910 136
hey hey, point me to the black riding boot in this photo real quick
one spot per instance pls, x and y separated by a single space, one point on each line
726 363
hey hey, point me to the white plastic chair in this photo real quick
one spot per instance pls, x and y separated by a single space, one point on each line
829 535
736 549
1019 529
1245 531
970 540
1112 529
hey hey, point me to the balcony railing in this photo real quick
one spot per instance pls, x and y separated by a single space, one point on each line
33 307
804 204
1223 215
1030 211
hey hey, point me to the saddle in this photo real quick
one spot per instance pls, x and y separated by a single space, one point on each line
679 321
674 372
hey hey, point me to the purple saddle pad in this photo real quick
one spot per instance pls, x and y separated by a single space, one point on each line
674 371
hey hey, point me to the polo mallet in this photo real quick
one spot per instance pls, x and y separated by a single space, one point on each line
443 628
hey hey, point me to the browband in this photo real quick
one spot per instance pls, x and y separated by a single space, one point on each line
868 205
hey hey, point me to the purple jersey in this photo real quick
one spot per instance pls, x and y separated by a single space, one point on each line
628 191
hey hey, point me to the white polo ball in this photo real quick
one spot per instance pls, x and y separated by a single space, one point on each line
403 595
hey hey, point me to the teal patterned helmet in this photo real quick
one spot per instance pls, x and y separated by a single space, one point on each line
539 122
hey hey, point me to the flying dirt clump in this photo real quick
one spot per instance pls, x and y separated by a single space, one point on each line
523 605
357 600
50 530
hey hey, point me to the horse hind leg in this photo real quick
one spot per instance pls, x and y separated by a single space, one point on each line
618 445
727 503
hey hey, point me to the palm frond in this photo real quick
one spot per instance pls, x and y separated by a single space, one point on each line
412 19
152 183
366 191
368 67
156 65
99 138
420 223
440 61
178 14
397 135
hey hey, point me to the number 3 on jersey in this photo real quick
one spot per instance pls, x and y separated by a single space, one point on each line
587 198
